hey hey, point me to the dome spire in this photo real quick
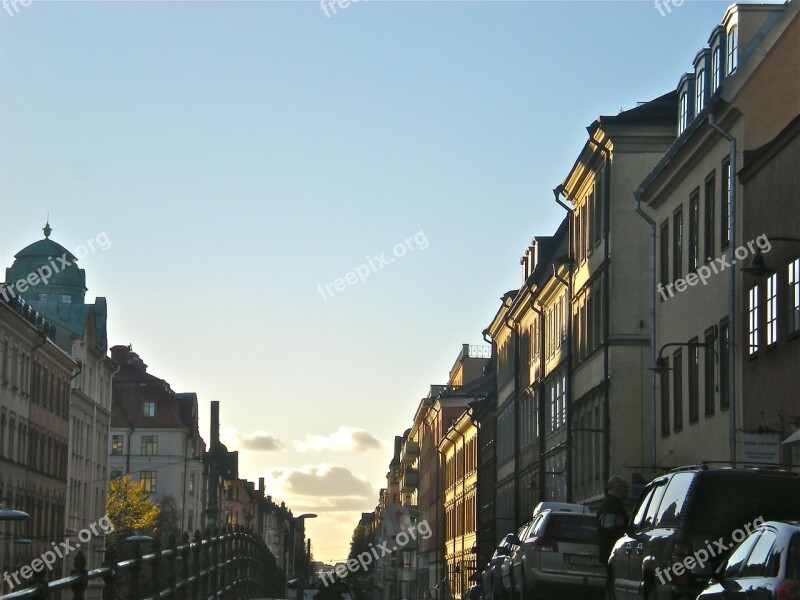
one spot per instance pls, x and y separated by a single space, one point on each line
47 229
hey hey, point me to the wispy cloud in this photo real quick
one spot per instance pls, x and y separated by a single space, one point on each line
257 441
344 439
323 487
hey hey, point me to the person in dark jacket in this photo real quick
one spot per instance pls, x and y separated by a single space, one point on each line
611 522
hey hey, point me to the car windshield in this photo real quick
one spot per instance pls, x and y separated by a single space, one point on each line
745 496
572 528
793 562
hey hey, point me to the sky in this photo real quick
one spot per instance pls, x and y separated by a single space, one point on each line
308 215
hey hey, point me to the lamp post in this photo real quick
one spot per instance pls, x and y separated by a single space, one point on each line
11 514
757 266
295 520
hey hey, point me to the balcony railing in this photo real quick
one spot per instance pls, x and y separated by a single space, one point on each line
410 452
410 481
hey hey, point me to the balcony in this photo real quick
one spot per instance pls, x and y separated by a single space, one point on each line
410 452
410 481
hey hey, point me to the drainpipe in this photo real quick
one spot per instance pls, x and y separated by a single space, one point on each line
606 294
558 191
540 404
731 284
568 378
515 339
637 198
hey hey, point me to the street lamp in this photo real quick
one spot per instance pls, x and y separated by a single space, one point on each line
757 266
294 541
10 514
662 366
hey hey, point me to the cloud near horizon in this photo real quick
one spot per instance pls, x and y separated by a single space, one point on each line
344 439
320 488
257 441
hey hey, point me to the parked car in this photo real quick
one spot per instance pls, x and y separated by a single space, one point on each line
764 566
473 592
687 510
556 556
496 575
561 507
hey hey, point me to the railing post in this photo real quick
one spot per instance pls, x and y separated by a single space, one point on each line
198 544
133 583
155 569
223 557
79 569
184 552
171 557
205 555
110 561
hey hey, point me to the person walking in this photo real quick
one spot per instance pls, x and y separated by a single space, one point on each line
611 522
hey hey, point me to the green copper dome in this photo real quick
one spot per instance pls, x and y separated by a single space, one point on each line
45 270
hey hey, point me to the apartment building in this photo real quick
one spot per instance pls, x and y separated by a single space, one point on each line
713 323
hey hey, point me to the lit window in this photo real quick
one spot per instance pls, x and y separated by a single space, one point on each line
683 121
793 296
700 86
149 409
116 445
733 46
149 445
694 231
772 305
725 204
148 479
66 299
753 321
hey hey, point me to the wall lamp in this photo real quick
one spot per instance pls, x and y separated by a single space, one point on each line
662 366
757 266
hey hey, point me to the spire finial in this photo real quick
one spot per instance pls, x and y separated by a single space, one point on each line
47 229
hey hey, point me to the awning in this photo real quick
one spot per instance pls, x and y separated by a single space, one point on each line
793 439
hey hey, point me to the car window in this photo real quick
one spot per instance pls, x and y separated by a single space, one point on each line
744 497
759 558
539 525
669 513
736 560
652 508
572 528
793 560
641 508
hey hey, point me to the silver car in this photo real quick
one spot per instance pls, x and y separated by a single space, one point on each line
559 556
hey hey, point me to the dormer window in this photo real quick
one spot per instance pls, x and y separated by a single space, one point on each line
733 47
700 96
716 67
683 122
149 409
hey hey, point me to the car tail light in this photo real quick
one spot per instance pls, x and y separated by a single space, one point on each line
680 551
544 545
788 589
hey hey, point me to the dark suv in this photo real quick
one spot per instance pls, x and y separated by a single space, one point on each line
687 520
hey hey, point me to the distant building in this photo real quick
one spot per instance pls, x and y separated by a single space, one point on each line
155 438
57 291
35 377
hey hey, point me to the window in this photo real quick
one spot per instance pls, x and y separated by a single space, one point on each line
66 299
664 254
149 445
772 309
556 407
672 504
708 221
677 390
683 120
694 231
694 373
725 204
700 87
724 363
191 484
116 445
190 520
148 480
736 560
116 474
793 296
677 244
716 71
758 563
149 409
708 372
733 46
598 208
752 303
665 403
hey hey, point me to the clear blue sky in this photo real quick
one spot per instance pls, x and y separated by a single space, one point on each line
238 154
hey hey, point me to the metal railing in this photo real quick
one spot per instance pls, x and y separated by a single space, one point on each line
229 563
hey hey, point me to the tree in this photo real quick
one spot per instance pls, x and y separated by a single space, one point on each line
168 521
130 508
